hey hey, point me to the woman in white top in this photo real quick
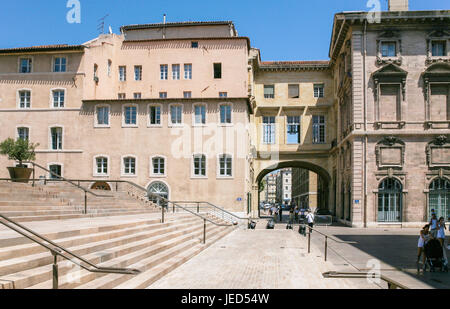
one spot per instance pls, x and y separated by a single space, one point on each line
441 231
423 239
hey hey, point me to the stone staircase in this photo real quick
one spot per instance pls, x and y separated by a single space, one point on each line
118 232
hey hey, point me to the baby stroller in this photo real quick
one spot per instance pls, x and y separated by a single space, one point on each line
302 227
270 225
435 256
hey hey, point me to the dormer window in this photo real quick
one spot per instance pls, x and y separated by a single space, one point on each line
60 64
388 49
25 65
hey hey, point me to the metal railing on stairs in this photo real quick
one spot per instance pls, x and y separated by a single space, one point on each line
56 250
392 284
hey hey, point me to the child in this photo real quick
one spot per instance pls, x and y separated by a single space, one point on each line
441 231
423 239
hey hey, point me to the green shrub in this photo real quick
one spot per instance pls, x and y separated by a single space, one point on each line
19 150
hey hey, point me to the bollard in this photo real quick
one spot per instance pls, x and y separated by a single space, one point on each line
85 203
204 231
309 241
326 247
55 271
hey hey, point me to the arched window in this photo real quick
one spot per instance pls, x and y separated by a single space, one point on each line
158 188
390 201
439 198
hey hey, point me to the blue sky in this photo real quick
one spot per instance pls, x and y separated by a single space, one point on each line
282 29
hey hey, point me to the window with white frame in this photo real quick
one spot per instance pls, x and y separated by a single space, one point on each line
23 133
319 129
199 165
129 166
155 115
176 114
164 71
293 130
268 129
130 115
388 49
122 73
24 99
225 114
199 114
138 72
55 171
56 136
187 94
101 164
188 71
25 65
225 165
60 64
176 71
159 166
223 94
102 115
137 95
121 96
269 91
58 98
319 90
163 95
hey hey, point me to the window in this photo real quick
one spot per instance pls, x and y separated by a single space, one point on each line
163 95
103 115
176 113
137 96
138 72
58 98
225 114
199 165
122 73
223 94
109 67
95 73
122 96
390 201
217 70
130 113
438 48
129 166
225 166
194 44
269 130
388 49
175 71
24 99
158 166
55 171
187 94
293 129
56 138
293 91
25 65
60 64
155 115
319 129
199 114
269 91
164 70
188 71
440 102
319 91
23 133
389 102
101 166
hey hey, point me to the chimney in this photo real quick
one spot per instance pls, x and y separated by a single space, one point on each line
398 5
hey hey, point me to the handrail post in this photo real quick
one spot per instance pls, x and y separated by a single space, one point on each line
204 231
85 203
326 247
198 207
162 212
55 271
34 174
173 205
309 241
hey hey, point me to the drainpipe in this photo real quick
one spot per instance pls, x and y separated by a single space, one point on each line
365 123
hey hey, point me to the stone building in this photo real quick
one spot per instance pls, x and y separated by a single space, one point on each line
284 186
305 188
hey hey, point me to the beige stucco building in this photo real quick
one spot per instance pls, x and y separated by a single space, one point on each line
190 111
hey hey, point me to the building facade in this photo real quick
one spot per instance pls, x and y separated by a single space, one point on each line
284 186
305 188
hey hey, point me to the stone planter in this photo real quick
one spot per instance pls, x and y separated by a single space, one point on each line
20 174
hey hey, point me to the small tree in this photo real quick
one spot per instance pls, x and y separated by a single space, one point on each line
19 150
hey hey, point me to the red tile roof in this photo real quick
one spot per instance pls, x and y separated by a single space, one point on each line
41 48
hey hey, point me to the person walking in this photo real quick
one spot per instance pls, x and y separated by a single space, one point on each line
423 239
441 231
296 211
310 218
280 210
291 215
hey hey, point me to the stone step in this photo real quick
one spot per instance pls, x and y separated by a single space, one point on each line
40 259
94 211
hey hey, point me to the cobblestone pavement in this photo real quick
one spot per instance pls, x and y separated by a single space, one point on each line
394 248
258 259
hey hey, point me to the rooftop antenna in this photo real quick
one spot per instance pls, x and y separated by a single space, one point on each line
101 25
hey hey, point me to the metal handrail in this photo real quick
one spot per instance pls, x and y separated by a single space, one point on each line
392 284
57 250
219 209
